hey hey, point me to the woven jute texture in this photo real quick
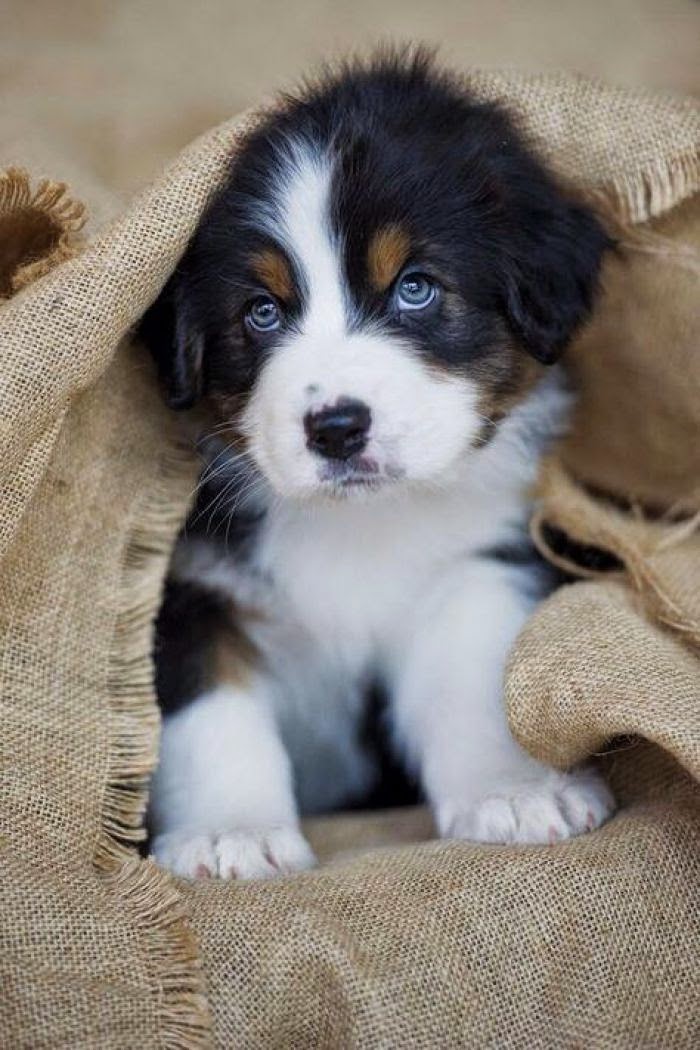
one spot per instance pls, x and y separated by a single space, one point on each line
395 940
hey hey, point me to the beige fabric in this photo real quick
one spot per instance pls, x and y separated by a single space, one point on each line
444 945
591 943
649 294
123 86
582 698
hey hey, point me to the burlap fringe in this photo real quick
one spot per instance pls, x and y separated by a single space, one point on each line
135 719
149 894
639 196
65 216
157 911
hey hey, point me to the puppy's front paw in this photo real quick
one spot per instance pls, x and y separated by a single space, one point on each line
558 806
250 854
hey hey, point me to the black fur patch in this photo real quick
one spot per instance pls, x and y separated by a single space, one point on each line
514 258
193 626
595 559
188 624
541 574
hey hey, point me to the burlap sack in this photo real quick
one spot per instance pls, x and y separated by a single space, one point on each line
425 944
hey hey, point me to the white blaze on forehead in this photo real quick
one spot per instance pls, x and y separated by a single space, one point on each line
304 219
421 422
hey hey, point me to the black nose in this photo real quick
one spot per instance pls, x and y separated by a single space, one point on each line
340 431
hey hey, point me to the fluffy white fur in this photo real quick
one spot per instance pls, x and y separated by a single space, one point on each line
390 584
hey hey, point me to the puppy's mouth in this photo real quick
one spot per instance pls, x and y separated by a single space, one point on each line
357 474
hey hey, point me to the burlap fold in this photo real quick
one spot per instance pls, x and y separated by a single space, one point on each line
594 942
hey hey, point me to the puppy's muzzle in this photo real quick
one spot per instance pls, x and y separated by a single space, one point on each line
340 431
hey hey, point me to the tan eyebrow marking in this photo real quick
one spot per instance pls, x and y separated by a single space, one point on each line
387 252
272 269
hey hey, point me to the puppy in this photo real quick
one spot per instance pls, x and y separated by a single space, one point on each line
370 312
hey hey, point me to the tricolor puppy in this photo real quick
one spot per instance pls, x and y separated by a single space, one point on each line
366 311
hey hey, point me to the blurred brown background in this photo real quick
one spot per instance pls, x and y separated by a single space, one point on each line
125 83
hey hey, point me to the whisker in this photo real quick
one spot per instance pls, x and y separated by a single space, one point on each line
213 471
255 485
247 487
216 501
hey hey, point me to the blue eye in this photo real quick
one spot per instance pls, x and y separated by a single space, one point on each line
263 314
415 291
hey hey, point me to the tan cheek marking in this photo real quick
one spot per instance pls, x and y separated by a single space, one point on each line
272 270
387 253
504 379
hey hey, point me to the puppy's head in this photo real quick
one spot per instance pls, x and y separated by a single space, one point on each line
379 282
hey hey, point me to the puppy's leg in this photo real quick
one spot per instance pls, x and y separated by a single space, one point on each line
449 717
222 800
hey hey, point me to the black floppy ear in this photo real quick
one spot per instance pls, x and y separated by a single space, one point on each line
552 285
176 345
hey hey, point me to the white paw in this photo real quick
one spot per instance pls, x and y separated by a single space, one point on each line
251 854
545 810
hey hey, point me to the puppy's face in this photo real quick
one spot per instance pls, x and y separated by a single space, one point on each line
378 284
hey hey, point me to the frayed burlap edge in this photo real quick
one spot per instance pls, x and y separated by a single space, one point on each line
135 719
149 894
642 195
51 200
170 950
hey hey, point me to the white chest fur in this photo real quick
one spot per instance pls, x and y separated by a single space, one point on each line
348 573
351 572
